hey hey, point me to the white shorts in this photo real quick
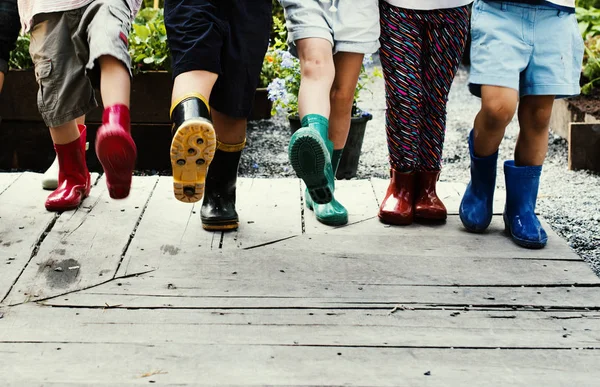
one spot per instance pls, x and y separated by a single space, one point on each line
354 27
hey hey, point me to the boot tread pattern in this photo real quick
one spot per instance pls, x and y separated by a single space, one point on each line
192 150
308 155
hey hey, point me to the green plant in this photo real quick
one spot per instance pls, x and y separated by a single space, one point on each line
589 21
591 68
148 42
272 62
284 89
19 57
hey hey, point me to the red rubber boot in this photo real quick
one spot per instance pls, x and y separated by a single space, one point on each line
397 207
427 204
116 150
74 181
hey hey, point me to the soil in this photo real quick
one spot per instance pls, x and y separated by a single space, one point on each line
589 104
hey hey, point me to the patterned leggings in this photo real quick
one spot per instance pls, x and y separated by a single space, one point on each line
420 53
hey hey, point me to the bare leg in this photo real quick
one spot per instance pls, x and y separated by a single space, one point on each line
229 130
498 106
347 70
194 82
318 72
115 82
1 80
534 121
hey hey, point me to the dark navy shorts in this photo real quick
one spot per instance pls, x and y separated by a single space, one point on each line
226 37
9 31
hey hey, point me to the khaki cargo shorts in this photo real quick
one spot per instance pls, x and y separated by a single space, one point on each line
65 47
354 27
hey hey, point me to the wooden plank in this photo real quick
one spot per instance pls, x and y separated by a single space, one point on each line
293 365
6 179
449 238
443 240
449 193
263 266
169 228
358 198
23 221
84 247
148 291
584 146
362 328
269 210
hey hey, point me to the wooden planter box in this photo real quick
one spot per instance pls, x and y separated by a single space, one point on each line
571 121
26 144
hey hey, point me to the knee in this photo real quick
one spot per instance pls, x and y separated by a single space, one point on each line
341 98
497 113
317 66
536 117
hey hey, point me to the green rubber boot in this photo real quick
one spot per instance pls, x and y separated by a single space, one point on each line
310 155
332 213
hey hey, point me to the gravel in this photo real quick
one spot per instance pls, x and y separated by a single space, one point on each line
568 200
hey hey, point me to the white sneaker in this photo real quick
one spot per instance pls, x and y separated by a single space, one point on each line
50 177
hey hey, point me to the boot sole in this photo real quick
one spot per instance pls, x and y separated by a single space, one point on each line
192 150
117 152
330 221
225 225
430 217
394 221
307 156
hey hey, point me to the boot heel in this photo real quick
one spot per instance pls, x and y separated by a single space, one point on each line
192 150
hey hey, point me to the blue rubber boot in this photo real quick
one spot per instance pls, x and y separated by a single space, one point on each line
477 205
522 185
310 153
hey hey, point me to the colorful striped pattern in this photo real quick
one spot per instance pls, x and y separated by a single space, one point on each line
420 53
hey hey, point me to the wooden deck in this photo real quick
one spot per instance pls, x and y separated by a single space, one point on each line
135 292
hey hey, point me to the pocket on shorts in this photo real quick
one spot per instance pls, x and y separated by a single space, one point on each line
47 93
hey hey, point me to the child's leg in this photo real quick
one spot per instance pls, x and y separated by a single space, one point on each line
310 149
443 48
318 72
231 103
64 95
115 81
522 175
103 31
534 121
50 177
196 32
401 57
498 106
347 70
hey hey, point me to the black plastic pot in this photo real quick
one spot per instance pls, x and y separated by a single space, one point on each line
351 156
261 109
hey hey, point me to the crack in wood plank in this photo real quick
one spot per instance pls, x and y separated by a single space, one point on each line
270 242
34 252
10 184
41 300
135 227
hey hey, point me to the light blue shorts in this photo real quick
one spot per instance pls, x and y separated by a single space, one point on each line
535 49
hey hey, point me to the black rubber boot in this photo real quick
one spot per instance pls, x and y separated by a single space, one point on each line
192 147
218 209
